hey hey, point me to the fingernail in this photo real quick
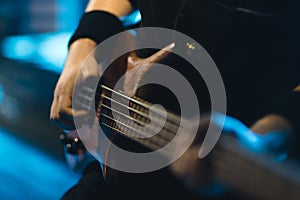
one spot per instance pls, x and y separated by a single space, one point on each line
170 46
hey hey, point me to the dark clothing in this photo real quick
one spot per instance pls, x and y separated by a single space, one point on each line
251 50
158 185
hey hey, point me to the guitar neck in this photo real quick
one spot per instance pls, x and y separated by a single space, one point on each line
253 175
245 172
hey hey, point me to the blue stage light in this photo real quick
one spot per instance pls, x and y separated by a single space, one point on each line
131 19
48 51
275 142
28 173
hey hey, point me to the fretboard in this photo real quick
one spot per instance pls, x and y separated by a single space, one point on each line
252 175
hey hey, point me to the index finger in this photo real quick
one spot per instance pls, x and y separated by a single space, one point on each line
160 54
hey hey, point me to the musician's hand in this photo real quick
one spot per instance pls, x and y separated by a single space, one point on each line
194 172
61 109
271 123
140 66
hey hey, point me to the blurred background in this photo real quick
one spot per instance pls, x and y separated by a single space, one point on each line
33 46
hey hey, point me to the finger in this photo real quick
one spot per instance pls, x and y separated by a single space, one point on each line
133 60
160 54
53 110
61 119
56 108
63 115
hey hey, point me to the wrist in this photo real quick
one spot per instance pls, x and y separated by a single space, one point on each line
78 52
86 43
96 26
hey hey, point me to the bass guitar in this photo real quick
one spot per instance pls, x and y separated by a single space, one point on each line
235 166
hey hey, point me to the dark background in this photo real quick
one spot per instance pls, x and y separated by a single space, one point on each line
33 34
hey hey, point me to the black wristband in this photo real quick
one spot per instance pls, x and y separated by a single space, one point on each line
97 25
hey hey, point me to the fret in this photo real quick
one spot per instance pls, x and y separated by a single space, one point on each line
140 141
140 102
151 144
134 118
134 125
138 113
256 176
252 175
132 133
124 106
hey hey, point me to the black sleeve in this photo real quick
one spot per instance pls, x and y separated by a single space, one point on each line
134 4
90 186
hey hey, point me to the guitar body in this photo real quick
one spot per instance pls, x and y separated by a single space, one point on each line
152 93
188 170
162 180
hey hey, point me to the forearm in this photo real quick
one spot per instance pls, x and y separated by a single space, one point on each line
118 8
93 28
78 51
81 47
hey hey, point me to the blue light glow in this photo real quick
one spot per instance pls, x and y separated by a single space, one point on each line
131 19
24 47
29 173
275 142
53 48
48 51
2 93
9 109
213 190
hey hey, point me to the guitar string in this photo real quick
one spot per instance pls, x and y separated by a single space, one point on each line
152 143
170 128
145 104
142 103
167 136
158 142
135 139
157 139
112 125
136 120
148 143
